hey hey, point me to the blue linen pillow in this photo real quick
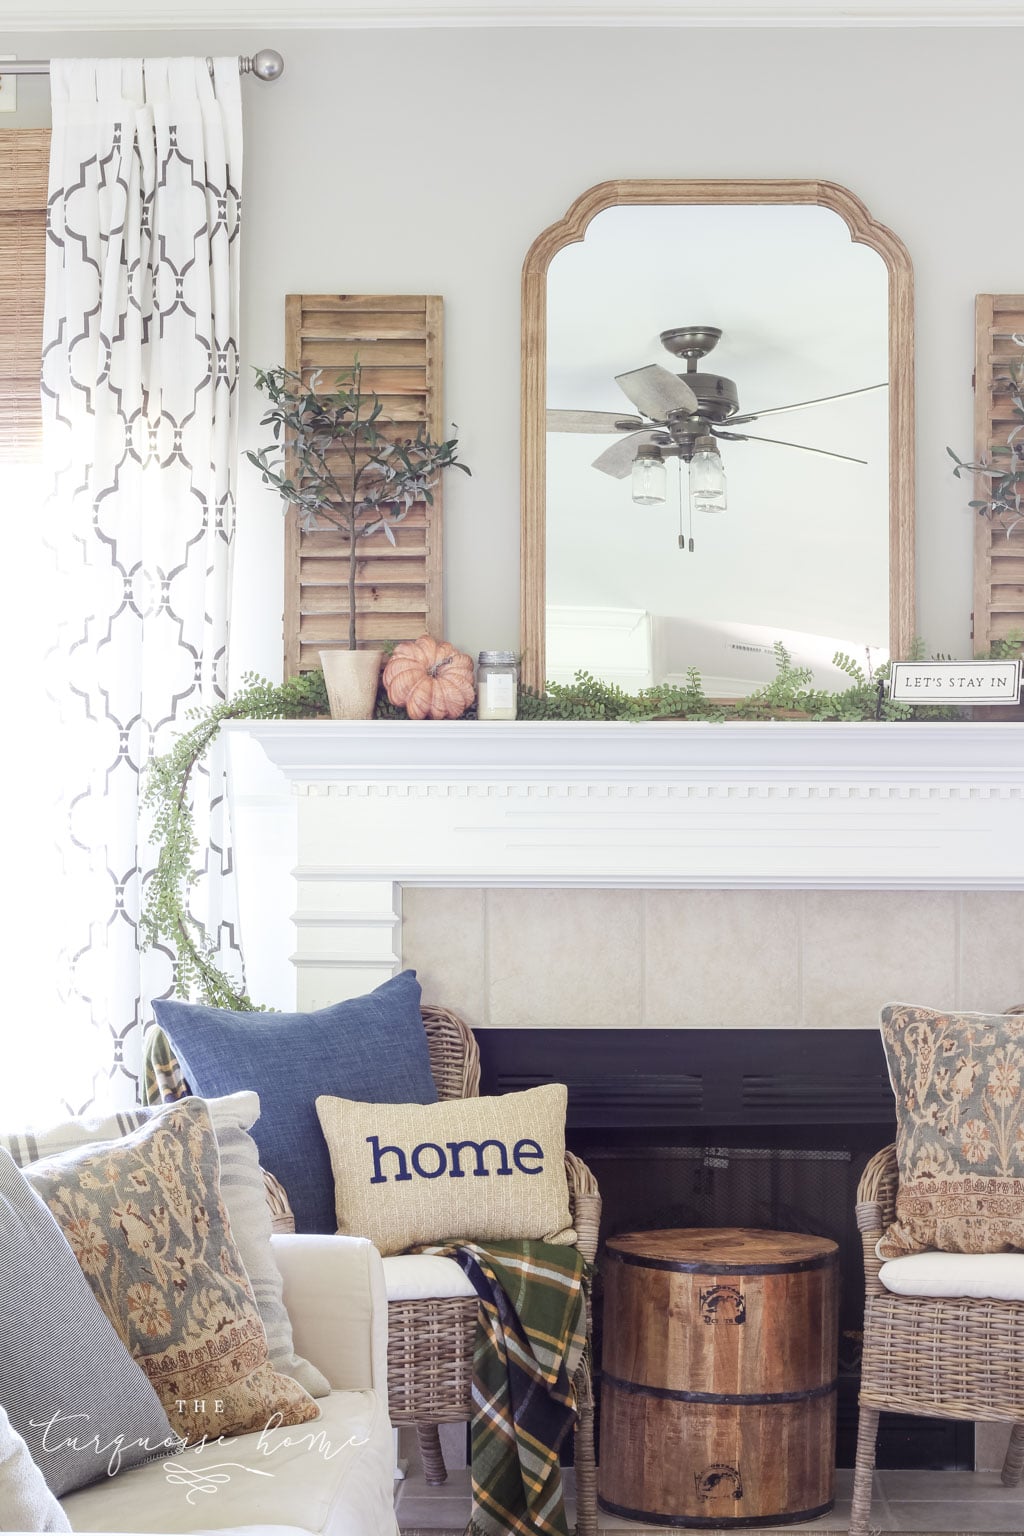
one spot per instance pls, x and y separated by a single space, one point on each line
372 1048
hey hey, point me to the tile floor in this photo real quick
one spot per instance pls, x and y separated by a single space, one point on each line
967 1503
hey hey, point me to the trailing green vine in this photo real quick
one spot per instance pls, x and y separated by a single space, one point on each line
167 793
167 796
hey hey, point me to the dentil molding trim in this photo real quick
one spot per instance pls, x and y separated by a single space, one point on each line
747 804
49 15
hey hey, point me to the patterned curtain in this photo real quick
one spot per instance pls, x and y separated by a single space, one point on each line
140 370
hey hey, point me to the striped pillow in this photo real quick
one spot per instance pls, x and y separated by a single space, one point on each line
50 1141
59 1354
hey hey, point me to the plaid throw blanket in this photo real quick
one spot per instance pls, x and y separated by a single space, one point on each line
162 1082
530 1340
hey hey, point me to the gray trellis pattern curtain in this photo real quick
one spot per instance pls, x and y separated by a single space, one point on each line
140 384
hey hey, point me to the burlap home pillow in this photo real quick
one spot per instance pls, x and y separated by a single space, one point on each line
145 1219
464 1168
960 1130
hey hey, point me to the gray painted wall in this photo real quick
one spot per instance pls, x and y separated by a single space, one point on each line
427 161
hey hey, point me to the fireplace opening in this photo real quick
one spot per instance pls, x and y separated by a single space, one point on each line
720 1128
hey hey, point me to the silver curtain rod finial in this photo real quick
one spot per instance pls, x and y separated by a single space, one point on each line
265 65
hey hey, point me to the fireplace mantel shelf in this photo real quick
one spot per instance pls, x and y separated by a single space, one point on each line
346 753
377 805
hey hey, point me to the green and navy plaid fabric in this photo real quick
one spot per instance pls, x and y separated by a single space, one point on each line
530 1339
163 1081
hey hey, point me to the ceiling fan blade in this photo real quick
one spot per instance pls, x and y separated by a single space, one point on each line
657 392
801 405
592 421
747 437
618 459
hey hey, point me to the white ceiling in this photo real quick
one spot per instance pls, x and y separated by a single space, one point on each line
139 15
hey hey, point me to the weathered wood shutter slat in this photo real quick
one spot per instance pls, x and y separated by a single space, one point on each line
397 341
998 560
24 164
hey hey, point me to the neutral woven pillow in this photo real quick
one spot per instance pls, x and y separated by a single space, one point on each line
242 1190
480 1168
26 1504
145 1218
245 1200
960 1130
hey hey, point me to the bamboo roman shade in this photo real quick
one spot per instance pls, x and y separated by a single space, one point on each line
998 560
24 163
397 341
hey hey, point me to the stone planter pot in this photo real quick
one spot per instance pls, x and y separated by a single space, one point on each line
352 678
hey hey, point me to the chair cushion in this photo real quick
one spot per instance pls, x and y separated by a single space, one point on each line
371 1048
485 1168
982 1276
145 1218
960 1130
335 1478
424 1277
59 1354
242 1190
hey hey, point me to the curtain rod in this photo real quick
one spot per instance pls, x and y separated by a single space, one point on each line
265 65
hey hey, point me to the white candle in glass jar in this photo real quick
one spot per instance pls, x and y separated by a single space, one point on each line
497 685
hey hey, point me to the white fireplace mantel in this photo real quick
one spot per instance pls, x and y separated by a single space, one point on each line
382 804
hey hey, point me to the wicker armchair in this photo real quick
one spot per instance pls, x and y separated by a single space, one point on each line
945 1358
430 1343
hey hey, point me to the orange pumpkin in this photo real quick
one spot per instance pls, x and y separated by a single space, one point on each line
430 677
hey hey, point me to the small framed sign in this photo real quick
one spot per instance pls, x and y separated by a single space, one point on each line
955 682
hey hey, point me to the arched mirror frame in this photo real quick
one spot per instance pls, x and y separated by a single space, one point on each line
863 228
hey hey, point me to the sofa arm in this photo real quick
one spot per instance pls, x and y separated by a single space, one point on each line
334 1292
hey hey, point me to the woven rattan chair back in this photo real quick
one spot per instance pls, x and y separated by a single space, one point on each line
454 1054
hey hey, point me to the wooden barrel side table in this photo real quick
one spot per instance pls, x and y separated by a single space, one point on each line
718 1397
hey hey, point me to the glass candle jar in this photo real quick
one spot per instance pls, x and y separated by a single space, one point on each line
497 685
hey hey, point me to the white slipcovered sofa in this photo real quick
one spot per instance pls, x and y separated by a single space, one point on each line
333 1477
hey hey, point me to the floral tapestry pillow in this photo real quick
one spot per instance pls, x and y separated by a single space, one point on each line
960 1130
145 1219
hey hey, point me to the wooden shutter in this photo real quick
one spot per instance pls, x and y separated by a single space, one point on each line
998 560
24 161
398 344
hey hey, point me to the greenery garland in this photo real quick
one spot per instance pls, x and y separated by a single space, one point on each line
168 780
166 794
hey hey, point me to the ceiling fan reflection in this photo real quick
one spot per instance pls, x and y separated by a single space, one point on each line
682 416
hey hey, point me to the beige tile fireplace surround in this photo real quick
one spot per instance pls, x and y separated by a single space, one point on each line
710 959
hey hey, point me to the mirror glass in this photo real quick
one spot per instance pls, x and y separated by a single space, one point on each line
639 591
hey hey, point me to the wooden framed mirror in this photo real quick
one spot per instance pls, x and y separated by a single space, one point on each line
782 300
